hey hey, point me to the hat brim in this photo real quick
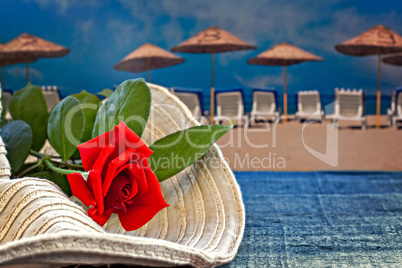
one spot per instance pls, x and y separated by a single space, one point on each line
203 226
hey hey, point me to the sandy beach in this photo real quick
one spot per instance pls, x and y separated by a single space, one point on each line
283 147
266 147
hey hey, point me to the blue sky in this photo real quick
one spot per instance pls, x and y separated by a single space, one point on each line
101 33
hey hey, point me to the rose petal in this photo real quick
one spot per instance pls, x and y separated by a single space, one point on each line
91 150
142 210
95 180
113 199
137 176
131 140
142 181
134 186
80 190
103 159
100 219
113 166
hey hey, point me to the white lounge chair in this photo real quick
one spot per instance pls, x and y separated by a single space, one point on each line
52 96
349 105
193 100
264 105
229 106
395 113
309 105
391 110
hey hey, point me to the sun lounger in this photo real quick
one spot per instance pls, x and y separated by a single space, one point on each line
52 96
349 105
264 105
395 113
309 105
229 106
192 98
391 110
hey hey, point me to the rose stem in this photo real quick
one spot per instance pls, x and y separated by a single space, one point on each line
41 156
35 153
29 169
67 164
59 170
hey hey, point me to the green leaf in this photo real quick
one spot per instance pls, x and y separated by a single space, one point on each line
3 122
90 105
25 166
29 104
66 126
57 178
105 92
3 104
130 103
17 137
179 150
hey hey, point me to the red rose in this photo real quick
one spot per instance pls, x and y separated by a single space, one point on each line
120 179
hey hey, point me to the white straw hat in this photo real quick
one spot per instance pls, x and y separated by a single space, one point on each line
203 226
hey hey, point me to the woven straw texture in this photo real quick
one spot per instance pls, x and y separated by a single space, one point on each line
148 57
27 46
377 40
283 54
15 60
203 226
212 39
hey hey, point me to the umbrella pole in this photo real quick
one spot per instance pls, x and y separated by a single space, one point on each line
285 96
212 107
27 71
378 91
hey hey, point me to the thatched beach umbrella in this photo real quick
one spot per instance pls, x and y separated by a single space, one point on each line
393 59
28 47
375 41
212 40
5 62
146 58
284 54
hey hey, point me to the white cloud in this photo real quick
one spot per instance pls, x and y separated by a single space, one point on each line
85 27
172 32
19 72
62 6
316 26
313 25
259 80
123 33
231 57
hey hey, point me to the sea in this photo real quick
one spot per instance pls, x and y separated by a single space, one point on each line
327 103
327 100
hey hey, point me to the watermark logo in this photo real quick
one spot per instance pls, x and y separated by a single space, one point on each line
164 118
271 161
330 156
